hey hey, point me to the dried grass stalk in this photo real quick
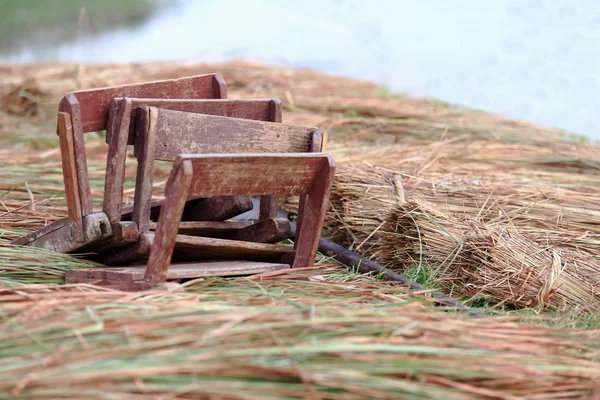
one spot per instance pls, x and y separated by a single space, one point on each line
471 258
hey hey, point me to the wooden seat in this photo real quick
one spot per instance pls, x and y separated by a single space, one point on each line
308 175
164 134
87 111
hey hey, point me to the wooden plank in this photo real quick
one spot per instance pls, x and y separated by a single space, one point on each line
96 229
95 103
155 206
125 233
209 228
119 122
310 218
121 275
145 146
138 251
168 223
203 247
65 133
185 133
33 236
255 174
217 208
253 109
71 105
264 231
268 207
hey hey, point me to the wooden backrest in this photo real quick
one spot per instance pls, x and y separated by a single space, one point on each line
89 108
251 174
176 133
253 109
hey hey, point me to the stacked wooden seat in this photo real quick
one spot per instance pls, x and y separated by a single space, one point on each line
223 152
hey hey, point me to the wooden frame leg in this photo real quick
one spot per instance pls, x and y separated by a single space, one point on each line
119 122
310 219
145 147
268 207
65 136
177 190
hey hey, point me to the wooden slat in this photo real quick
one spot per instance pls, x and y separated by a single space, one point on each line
164 238
156 205
253 109
96 229
264 231
65 133
146 145
33 236
185 133
255 174
120 275
203 247
125 233
95 103
209 228
217 208
71 106
119 121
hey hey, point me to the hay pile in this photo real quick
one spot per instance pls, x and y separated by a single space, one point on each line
286 338
470 258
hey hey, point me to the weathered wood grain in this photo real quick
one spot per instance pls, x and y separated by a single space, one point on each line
222 229
118 120
146 147
185 133
95 103
314 206
58 237
217 208
264 231
116 276
124 233
70 105
255 174
168 224
253 109
65 133
207 248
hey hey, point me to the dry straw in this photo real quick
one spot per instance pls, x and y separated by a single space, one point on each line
470 258
278 339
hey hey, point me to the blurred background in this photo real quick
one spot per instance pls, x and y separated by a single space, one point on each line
534 60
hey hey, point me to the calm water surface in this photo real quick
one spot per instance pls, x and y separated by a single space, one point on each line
535 60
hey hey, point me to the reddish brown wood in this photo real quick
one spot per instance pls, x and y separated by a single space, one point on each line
186 133
217 208
95 103
168 224
145 147
59 236
264 231
128 254
65 133
33 236
253 109
311 219
215 248
89 111
71 106
222 229
131 278
156 205
125 233
255 174
119 119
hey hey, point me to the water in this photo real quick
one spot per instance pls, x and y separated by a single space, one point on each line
526 59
